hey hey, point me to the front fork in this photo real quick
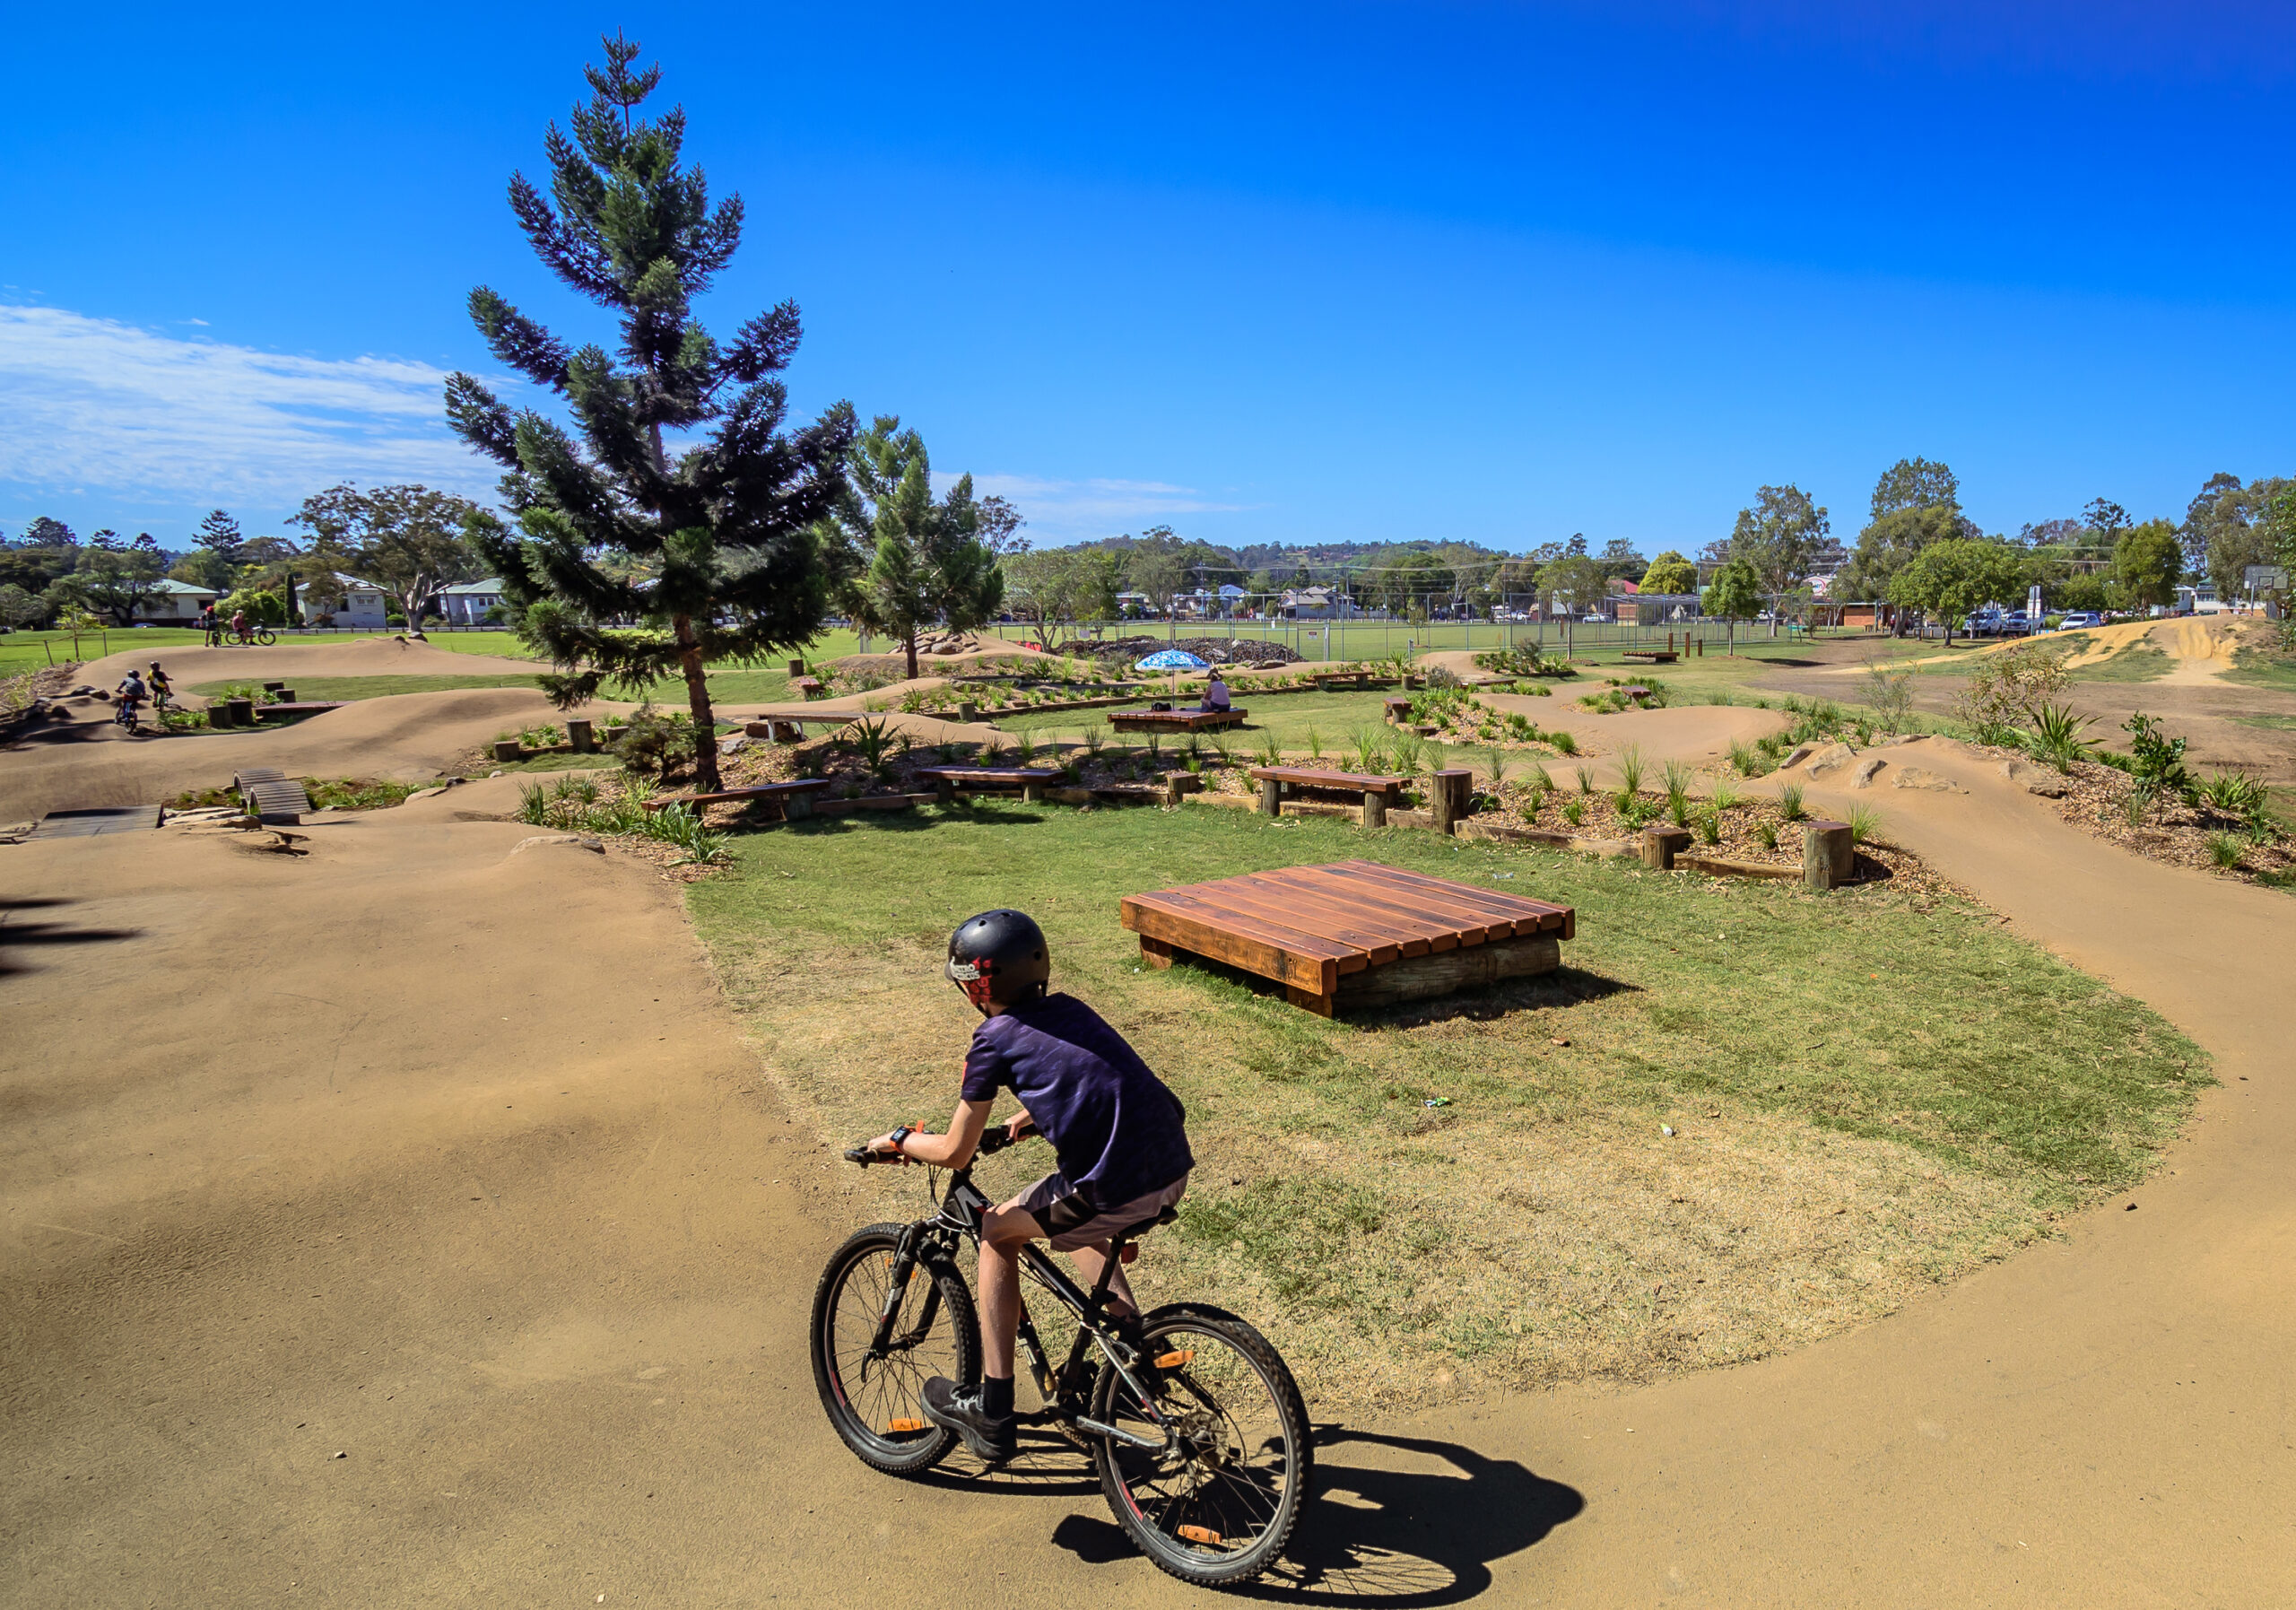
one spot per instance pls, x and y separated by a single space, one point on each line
905 1261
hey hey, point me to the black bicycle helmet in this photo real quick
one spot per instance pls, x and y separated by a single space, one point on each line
999 957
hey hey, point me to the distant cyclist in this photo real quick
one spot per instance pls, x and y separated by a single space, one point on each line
131 695
209 626
163 692
239 626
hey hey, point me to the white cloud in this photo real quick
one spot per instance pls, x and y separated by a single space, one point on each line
1065 511
95 404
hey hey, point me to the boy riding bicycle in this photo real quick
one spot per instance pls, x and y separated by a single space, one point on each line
1119 1135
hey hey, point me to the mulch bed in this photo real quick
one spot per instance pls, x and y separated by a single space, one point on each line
2096 801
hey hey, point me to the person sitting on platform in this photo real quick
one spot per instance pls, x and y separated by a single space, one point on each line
1215 694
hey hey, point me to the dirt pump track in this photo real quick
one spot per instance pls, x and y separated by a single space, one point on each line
434 1147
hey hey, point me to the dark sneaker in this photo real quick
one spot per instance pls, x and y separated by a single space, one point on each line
947 1404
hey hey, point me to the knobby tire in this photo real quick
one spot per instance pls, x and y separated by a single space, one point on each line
862 1397
1241 1495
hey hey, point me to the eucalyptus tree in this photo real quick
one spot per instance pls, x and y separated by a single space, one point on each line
632 560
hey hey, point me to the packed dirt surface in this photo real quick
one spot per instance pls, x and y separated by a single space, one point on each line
394 1216
406 738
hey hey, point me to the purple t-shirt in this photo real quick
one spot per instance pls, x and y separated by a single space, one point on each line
1118 1132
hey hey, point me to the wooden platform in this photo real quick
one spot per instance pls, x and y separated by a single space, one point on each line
89 823
1176 720
1352 933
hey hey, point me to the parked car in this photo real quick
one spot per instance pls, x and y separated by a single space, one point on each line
2079 618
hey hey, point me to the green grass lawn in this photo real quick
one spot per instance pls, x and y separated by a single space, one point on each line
1869 1093
2264 668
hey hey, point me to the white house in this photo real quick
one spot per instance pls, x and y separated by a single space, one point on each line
466 604
178 604
341 600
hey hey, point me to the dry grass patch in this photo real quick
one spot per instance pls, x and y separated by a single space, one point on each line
1866 1098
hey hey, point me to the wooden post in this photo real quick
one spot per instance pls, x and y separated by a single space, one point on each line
579 736
944 791
1179 783
796 668
1452 795
286 695
1031 791
968 711
1661 843
1155 953
242 711
797 806
1827 854
1271 796
1375 811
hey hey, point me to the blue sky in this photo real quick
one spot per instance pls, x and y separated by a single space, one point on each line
1288 274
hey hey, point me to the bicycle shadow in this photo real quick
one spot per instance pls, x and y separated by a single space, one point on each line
1383 1535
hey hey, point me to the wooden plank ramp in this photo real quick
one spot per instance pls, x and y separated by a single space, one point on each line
1352 932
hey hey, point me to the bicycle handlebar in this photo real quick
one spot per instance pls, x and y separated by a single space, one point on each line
991 1141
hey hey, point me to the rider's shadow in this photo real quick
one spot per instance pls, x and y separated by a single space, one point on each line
1405 1533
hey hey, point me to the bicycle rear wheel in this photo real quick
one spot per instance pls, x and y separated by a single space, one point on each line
1216 1506
878 1405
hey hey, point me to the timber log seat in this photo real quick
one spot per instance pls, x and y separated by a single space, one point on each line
1378 793
796 796
1355 933
1030 781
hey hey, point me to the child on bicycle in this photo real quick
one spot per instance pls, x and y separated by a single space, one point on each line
163 692
1117 1134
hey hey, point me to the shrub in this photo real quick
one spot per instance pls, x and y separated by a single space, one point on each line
1439 677
1677 777
1574 811
2057 735
2234 793
1630 770
2225 850
1564 743
1746 758
1768 832
1585 777
2156 760
1726 796
1537 776
1709 827
2013 684
1864 821
1790 801
544 736
1494 769
652 744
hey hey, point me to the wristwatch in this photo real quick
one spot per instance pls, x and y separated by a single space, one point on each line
900 1135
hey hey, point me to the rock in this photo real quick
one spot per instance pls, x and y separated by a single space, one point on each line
1905 737
2035 779
733 744
550 840
1916 776
1802 752
1862 777
1832 758
426 792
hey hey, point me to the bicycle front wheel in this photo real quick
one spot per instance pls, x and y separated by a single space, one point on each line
265 636
877 1402
1216 1504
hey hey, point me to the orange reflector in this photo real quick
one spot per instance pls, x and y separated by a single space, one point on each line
1197 1534
906 1425
1177 1361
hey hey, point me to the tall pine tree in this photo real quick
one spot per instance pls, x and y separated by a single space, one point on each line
634 564
910 561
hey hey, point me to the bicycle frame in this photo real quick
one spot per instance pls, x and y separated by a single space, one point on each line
941 1237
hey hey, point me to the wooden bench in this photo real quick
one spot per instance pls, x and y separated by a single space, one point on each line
1176 720
1378 791
1636 694
809 687
1649 657
1353 679
1353 932
796 796
1398 710
1030 781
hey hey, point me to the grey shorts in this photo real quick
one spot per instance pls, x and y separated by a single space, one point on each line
1071 1222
